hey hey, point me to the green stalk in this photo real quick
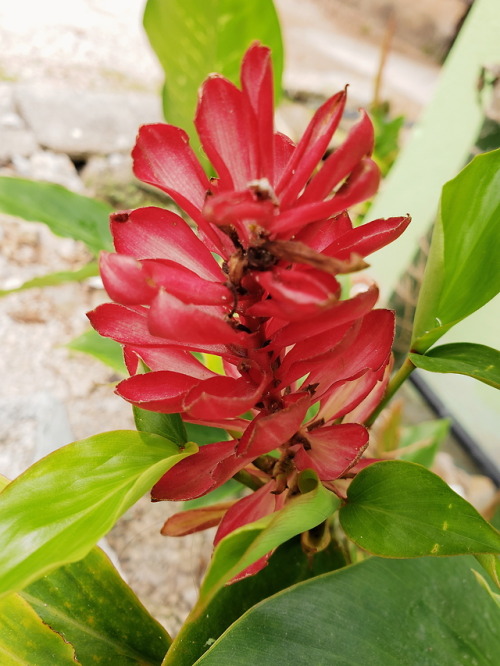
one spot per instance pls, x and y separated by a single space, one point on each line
401 375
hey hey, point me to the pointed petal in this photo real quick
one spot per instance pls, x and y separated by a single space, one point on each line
361 185
368 404
126 325
163 158
185 482
283 150
319 235
155 233
222 397
190 324
368 238
171 359
310 148
227 130
186 285
257 85
338 165
161 391
345 395
124 279
334 449
267 433
195 520
342 313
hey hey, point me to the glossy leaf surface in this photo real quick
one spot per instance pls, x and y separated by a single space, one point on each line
378 612
462 273
193 40
55 279
287 566
64 212
249 543
26 640
463 358
89 604
400 509
104 349
170 426
60 507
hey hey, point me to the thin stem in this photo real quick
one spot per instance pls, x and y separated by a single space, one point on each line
248 480
401 375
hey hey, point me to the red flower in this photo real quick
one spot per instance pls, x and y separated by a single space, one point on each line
255 286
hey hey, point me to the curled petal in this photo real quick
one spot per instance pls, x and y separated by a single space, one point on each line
346 395
368 404
155 233
195 520
338 165
227 130
342 313
127 325
185 482
368 238
320 235
190 324
162 391
167 358
331 450
124 279
283 150
163 158
310 148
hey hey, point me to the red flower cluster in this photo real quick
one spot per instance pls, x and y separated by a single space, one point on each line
257 287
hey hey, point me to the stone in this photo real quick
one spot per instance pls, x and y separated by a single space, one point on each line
48 166
88 122
16 141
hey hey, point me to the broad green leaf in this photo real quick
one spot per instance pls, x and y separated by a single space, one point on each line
94 610
205 434
105 350
287 566
194 39
463 358
400 509
462 273
249 543
25 640
55 279
491 563
170 426
379 612
64 212
420 442
57 510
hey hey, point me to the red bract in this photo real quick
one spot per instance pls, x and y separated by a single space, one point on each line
257 286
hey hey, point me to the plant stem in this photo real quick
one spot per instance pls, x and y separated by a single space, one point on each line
401 375
248 480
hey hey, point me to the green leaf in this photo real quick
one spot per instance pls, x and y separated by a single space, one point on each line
400 509
461 274
202 434
378 612
491 563
170 426
64 212
229 489
463 358
193 40
249 543
55 279
422 441
94 610
287 566
105 350
26 640
57 510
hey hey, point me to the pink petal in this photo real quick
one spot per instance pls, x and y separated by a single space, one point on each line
338 165
163 158
194 476
195 520
222 397
345 395
161 391
334 449
361 185
257 85
283 150
126 325
186 285
171 359
368 238
267 433
310 148
155 233
342 313
124 279
227 131
190 324
319 235
368 404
